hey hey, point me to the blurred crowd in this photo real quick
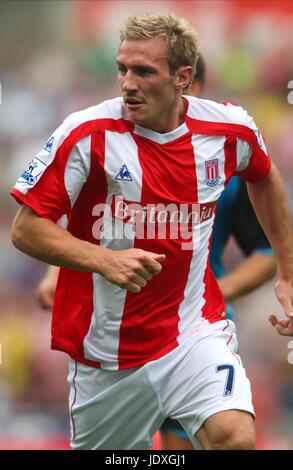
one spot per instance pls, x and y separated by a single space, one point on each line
59 57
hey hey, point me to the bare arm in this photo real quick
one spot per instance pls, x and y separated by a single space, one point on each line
47 287
43 239
248 275
272 209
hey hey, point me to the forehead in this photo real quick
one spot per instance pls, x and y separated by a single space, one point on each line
142 52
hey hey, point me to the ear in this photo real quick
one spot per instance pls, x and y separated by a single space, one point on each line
183 77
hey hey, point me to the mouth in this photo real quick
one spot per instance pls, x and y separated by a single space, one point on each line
133 103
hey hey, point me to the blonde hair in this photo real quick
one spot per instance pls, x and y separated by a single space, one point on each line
179 36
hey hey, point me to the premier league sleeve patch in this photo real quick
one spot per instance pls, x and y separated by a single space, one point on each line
33 172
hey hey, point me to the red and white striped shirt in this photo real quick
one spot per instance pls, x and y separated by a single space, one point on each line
97 155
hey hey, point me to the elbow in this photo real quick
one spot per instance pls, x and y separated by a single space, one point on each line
18 232
24 231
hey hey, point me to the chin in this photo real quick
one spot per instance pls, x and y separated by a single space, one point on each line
135 119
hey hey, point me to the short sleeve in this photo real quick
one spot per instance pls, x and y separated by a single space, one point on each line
54 178
253 162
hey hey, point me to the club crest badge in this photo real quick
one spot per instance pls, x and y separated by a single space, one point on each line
212 172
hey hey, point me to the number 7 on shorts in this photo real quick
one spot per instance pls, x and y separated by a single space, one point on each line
230 378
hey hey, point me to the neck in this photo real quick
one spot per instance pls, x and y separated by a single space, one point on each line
172 119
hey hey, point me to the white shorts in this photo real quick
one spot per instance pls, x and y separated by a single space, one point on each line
116 410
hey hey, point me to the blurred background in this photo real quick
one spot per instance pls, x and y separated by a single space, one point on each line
57 57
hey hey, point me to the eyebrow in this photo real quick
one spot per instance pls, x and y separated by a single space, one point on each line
137 67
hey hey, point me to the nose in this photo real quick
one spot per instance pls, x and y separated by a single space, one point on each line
129 82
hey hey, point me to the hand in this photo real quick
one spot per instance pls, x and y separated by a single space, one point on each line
131 269
284 293
283 327
46 289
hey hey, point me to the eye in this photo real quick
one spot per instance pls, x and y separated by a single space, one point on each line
121 69
143 72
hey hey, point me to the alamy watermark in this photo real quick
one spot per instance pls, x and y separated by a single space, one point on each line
290 355
290 94
126 220
290 101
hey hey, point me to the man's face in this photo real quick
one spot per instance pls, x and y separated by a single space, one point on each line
148 89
